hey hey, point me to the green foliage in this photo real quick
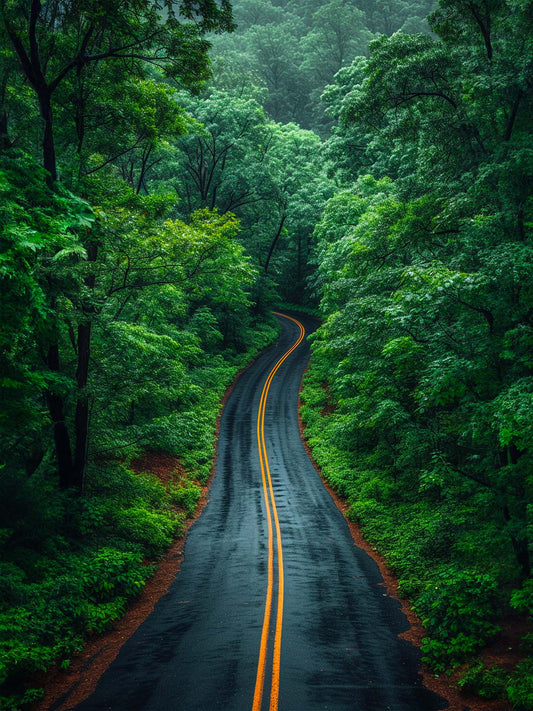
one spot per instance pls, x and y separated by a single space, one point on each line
77 593
35 223
70 566
487 682
108 574
236 159
431 540
520 689
418 402
185 494
496 683
86 66
522 599
457 609
154 530
288 52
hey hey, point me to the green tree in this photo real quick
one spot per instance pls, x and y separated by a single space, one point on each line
67 50
219 163
128 130
278 56
424 277
292 50
156 291
270 175
55 40
300 189
40 237
337 36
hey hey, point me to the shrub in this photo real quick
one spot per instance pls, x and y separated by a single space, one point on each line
522 599
520 688
109 573
12 587
99 618
186 495
31 640
154 529
487 682
457 609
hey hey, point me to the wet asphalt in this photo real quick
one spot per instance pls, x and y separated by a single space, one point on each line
198 650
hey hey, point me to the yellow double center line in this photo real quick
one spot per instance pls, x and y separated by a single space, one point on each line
271 511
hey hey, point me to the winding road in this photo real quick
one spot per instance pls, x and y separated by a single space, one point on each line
274 606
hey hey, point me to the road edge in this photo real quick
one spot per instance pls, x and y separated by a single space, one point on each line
65 689
441 685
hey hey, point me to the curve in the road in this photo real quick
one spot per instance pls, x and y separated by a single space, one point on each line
271 512
199 649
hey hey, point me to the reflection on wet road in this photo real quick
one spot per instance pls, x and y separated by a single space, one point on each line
330 624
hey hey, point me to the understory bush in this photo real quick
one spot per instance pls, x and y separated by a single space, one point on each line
520 687
497 683
489 683
59 586
185 494
70 564
445 543
457 609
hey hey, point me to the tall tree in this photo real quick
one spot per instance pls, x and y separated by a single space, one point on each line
270 175
441 251
60 45
53 40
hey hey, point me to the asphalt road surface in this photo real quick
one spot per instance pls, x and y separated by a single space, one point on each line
274 606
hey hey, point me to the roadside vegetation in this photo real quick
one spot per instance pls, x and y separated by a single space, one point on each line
70 563
453 558
419 401
124 318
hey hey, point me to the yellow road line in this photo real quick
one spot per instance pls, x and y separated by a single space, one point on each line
271 506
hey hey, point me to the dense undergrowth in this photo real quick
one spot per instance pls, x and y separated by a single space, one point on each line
70 563
453 562
424 277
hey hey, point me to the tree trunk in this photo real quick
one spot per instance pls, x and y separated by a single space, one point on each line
274 242
56 407
520 545
81 417
521 551
32 67
299 261
49 151
4 136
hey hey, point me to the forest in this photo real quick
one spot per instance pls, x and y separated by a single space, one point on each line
171 172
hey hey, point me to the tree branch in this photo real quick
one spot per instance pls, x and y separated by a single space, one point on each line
512 118
110 160
274 241
484 312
